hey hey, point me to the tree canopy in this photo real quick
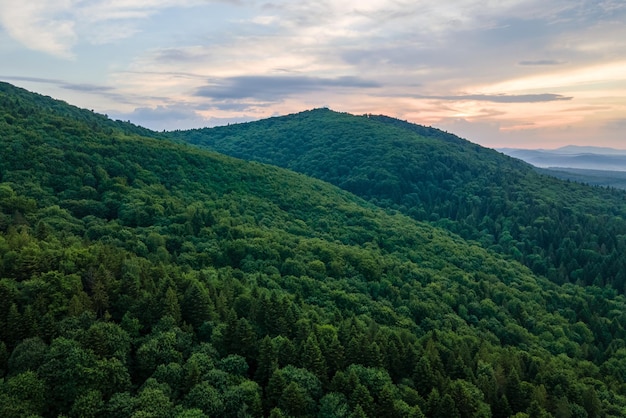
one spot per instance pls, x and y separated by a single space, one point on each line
568 232
140 277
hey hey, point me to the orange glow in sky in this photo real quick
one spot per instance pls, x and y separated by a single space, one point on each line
520 73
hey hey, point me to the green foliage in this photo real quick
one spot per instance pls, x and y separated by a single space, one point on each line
558 229
206 398
26 392
139 277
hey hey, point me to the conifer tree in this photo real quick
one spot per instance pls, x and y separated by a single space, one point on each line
196 305
171 306
362 397
267 361
358 412
295 401
312 358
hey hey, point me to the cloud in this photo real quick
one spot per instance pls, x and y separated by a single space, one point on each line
86 87
237 106
40 25
31 79
601 72
83 87
540 62
163 117
177 55
501 98
98 89
168 112
274 88
176 116
501 62
54 27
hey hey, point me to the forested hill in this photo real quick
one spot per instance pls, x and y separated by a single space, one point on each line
145 278
565 231
21 103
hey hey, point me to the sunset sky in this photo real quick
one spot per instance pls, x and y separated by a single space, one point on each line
516 73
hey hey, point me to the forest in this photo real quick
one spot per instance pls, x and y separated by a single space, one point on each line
141 276
566 231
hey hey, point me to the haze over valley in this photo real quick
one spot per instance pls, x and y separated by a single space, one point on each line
590 158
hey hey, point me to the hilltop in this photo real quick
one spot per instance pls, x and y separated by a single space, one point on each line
557 228
143 277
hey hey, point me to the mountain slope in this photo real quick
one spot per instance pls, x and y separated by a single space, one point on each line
558 229
139 277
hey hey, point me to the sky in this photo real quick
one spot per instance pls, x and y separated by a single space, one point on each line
501 73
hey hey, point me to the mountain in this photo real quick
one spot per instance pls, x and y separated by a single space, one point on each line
578 149
565 231
589 158
143 277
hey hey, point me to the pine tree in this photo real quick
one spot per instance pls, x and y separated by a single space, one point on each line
514 392
4 357
79 303
295 401
274 390
432 402
423 377
99 297
447 408
197 306
536 411
247 340
358 412
312 358
29 322
374 357
502 409
171 305
267 362
385 407
14 329
333 353
362 397
591 403
277 413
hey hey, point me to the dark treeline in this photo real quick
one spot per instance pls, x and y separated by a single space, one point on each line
568 232
143 278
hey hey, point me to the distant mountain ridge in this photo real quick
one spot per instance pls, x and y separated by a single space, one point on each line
585 149
615 179
571 156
